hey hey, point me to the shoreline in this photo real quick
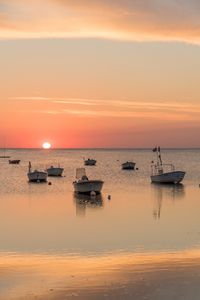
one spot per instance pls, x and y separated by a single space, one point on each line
118 276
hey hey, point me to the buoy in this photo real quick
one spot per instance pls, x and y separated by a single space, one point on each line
109 197
93 194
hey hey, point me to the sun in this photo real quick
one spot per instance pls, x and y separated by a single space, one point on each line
46 145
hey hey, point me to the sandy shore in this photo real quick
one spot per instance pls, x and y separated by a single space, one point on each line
160 276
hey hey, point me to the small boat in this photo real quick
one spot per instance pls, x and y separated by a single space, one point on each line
128 165
85 186
36 176
89 162
55 171
164 173
14 161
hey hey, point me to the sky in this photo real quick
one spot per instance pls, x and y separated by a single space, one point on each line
99 73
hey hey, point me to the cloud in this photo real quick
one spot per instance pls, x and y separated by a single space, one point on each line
102 108
141 20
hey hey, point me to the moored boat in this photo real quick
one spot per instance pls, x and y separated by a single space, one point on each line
129 165
90 162
164 173
36 176
85 186
55 171
14 161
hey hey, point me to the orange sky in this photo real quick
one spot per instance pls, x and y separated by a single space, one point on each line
122 75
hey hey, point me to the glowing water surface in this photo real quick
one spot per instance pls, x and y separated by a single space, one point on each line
52 240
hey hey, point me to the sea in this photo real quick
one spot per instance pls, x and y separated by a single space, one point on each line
55 244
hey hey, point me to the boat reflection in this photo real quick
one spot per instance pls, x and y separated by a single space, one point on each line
164 192
83 202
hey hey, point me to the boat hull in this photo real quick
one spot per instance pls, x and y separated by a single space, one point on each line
37 176
86 187
90 162
169 177
128 166
14 162
56 172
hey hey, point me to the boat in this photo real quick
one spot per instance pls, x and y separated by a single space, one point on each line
55 171
83 185
164 173
36 176
128 165
14 161
89 162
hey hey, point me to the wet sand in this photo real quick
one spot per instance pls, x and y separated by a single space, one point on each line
160 276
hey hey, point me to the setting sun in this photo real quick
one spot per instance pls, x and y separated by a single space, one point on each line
46 145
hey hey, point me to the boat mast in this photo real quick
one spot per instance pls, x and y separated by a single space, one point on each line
159 156
29 166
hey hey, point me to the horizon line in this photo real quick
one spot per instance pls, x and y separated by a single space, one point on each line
100 148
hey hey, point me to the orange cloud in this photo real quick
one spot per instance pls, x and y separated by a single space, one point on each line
164 111
97 123
132 20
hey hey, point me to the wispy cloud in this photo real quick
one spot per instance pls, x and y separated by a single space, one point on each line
158 110
120 19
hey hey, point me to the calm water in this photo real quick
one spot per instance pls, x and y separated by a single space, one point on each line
41 222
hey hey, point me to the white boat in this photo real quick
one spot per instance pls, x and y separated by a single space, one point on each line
164 173
85 186
90 162
36 176
128 165
55 171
